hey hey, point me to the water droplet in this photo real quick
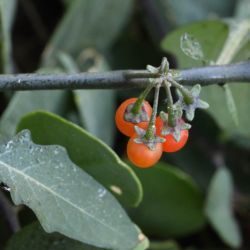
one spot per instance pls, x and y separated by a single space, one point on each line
24 136
56 151
31 149
101 192
9 145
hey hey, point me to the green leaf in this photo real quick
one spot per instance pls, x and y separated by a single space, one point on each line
7 11
193 161
34 237
25 102
96 107
164 245
242 9
64 198
231 104
172 13
90 29
97 111
87 152
91 34
222 43
238 36
191 47
219 208
210 34
172 203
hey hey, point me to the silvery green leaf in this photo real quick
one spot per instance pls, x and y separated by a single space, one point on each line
95 34
64 198
223 42
28 101
7 14
231 104
219 208
191 47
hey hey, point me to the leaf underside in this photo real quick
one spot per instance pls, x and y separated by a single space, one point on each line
64 198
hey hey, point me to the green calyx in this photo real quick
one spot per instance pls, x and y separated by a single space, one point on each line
188 101
142 139
174 130
197 102
136 112
140 116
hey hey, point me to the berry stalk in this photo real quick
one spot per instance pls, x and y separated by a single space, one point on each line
138 104
170 105
150 133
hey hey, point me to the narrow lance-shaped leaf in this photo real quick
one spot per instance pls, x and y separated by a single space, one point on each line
219 208
96 107
28 101
96 24
7 10
64 198
231 104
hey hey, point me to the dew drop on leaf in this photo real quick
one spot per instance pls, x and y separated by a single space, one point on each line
101 192
191 47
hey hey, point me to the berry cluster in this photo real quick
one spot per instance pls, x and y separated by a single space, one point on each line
151 135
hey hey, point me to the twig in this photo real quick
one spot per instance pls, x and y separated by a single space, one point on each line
124 79
239 72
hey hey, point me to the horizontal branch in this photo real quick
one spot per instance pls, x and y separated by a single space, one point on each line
122 79
104 80
239 72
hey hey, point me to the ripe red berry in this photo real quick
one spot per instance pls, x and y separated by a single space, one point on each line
127 127
141 155
171 145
